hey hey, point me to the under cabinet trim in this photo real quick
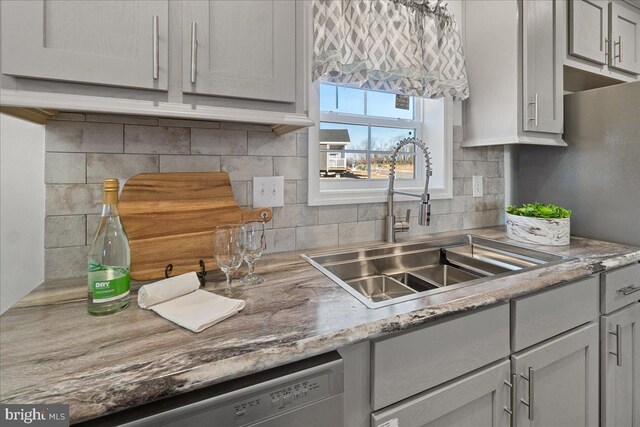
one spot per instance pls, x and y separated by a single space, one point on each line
281 122
514 140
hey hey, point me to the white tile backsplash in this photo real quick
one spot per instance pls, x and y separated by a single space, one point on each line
122 146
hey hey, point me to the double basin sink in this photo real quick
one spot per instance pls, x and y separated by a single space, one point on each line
397 273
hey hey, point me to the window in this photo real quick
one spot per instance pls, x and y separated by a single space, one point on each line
358 131
350 148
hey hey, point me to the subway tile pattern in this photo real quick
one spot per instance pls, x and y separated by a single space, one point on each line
83 149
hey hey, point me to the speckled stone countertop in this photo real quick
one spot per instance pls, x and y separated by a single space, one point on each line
51 351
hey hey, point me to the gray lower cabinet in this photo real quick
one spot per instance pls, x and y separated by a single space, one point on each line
557 380
542 78
102 42
409 363
244 49
545 314
477 399
619 288
620 368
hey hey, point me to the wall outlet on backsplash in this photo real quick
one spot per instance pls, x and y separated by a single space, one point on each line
268 191
477 186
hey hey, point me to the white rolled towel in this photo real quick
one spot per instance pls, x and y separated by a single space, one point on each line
167 289
180 300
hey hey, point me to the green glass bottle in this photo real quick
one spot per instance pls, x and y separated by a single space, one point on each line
109 259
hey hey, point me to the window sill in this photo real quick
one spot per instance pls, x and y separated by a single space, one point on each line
350 197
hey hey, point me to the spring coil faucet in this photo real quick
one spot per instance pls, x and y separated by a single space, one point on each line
424 209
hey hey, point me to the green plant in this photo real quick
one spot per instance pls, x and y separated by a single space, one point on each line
539 210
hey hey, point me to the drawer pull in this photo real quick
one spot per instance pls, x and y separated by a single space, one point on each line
629 290
512 395
529 404
618 353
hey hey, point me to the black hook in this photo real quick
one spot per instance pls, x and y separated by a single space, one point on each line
202 274
168 270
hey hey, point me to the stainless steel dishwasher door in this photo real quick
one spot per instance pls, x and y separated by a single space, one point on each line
311 396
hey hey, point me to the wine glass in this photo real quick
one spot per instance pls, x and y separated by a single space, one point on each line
253 243
228 253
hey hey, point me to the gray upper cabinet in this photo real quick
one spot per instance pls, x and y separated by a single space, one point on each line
515 73
242 49
557 381
624 28
588 21
542 68
99 42
620 387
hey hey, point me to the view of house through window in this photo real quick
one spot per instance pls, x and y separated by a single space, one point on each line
358 130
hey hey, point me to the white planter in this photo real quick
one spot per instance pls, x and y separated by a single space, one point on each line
541 231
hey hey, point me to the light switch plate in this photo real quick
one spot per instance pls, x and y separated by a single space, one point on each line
268 191
477 186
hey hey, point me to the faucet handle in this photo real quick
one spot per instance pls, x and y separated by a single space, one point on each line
408 215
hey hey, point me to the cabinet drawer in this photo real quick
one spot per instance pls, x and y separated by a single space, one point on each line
619 287
546 314
407 364
479 396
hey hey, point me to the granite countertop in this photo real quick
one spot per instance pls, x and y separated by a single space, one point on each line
51 351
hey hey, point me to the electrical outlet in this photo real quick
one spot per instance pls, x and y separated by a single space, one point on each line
268 191
477 186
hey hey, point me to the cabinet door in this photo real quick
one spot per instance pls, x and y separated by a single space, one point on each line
120 43
624 27
243 49
542 67
557 381
588 29
478 399
620 390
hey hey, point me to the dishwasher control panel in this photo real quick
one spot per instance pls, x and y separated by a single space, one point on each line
272 402
309 389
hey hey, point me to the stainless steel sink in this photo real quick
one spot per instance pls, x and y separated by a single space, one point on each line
380 288
401 272
444 275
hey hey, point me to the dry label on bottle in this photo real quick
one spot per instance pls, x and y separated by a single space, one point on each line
108 283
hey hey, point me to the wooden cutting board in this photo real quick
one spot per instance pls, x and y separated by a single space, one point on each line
170 218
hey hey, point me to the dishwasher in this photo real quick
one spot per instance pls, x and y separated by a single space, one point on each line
305 393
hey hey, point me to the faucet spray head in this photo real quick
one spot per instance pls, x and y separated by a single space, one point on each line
424 211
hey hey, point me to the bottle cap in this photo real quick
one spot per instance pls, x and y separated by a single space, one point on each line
110 184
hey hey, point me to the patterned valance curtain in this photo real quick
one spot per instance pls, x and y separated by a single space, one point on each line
409 47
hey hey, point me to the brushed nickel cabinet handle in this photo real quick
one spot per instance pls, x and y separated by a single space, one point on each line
512 395
156 48
535 110
529 404
629 290
619 55
618 352
620 48
194 52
